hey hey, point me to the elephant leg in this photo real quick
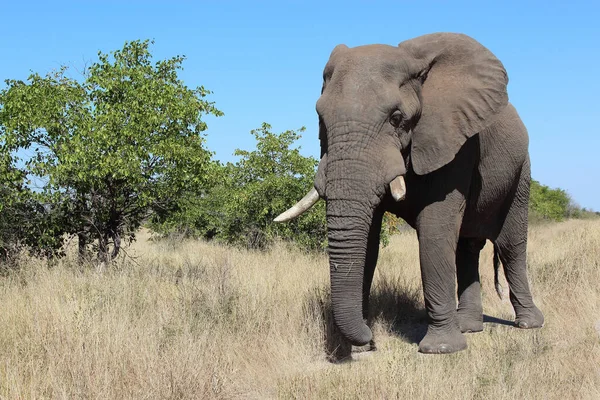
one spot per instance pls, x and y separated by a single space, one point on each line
470 310
438 225
512 249
370 264
514 260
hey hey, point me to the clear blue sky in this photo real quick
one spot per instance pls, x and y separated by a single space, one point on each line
264 60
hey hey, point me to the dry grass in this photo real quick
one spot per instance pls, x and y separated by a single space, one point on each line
193 320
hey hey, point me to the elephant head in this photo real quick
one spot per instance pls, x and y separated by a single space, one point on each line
384 110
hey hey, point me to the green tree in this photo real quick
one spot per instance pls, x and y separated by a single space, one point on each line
263 184
110 148
247 195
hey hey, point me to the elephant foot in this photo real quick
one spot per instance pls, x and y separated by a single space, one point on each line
363 349
442 341
529 318
469 323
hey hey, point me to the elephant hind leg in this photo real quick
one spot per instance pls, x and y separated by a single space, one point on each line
514 260
470 310
511 244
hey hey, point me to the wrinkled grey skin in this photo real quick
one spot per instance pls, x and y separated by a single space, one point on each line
435 110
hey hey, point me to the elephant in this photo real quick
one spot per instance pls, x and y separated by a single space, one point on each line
423 130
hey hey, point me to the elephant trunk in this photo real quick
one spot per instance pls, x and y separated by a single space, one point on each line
360 166
348 226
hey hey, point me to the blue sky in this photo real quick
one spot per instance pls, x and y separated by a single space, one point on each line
264 60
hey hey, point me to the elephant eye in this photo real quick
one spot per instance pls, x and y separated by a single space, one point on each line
396 119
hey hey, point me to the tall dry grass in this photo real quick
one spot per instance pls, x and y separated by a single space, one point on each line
185 319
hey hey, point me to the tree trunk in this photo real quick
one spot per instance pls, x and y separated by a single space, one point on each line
116 245
82 246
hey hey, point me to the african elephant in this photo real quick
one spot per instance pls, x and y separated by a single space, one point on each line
423 130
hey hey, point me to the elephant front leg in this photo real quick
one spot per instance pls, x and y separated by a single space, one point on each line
470 310
437 228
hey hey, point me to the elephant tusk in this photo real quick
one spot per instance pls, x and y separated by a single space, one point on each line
398 188
300 207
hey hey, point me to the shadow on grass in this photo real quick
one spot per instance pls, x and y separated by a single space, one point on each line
400 308
488 319
395 305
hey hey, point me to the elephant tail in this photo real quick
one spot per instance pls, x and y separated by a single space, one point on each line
499 288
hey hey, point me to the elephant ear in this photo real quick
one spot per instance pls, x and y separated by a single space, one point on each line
464 87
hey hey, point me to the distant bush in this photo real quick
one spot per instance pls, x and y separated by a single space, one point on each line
547 204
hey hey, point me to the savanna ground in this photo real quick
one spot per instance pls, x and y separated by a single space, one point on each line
186 319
